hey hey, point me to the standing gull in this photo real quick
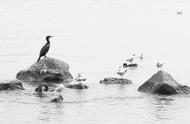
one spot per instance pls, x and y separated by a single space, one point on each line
121 71
80 78
45 48
159 65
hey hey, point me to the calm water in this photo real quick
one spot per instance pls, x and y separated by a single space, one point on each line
94 37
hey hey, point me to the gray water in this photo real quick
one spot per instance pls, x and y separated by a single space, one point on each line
94 37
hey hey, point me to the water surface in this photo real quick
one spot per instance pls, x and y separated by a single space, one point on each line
94 37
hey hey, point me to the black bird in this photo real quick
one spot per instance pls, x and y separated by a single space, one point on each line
45 48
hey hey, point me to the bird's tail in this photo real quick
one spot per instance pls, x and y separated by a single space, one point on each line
39 59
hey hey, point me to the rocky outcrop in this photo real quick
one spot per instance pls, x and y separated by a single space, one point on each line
11 85
163 83
113 80
47 69
77 86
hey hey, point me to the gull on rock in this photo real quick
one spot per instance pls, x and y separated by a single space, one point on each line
159 65
80 78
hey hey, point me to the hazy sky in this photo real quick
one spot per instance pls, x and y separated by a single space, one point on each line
103 28
137 25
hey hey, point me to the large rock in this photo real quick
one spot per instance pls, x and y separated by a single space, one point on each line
163 83
77 86
47 69
11 85
113 80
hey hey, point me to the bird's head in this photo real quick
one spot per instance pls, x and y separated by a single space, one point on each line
48 37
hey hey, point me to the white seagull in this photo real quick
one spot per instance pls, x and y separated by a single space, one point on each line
159 65
121 71
180 12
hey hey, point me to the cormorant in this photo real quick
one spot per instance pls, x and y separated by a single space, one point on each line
45 48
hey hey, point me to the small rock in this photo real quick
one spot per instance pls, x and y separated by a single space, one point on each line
58 99
163 83
113 80
47 69
11 85
77 86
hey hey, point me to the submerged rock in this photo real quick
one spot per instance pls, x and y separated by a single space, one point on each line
163 83
77 86
58 99
11 85
47 69
113 80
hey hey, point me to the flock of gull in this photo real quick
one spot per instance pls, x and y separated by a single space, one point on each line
57 97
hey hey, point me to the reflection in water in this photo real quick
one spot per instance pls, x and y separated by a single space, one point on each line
162 106
44 113
52 112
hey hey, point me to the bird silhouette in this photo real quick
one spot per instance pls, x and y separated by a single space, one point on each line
45 48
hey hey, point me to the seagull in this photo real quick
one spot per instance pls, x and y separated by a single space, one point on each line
121 71
130 60
141 56
79 78
44 69
57 93
180 12
159 65
59 88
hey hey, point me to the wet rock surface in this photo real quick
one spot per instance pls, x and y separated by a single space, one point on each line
46 70
163 83
113 80
11 85
77 86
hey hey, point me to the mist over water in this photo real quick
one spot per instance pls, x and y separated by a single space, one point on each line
94 37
